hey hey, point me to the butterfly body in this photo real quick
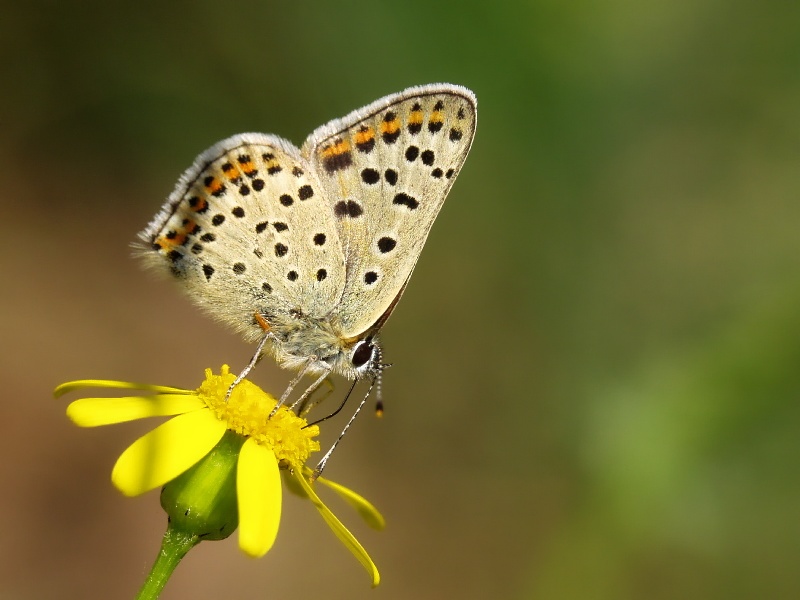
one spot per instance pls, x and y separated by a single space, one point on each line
298 338
310 249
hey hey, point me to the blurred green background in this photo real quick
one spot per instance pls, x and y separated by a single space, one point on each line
597 363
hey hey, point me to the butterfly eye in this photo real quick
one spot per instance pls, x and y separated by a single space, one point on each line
362 354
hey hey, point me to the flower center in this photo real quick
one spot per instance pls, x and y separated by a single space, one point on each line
247 413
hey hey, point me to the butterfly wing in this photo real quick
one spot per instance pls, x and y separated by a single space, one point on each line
247 230
387 169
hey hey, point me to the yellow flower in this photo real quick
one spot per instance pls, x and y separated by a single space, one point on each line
261 447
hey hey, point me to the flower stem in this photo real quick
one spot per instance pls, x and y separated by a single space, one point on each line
174 547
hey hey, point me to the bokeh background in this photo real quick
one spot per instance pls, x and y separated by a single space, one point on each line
597 363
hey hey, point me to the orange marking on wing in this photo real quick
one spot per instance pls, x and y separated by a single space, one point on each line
214 185
232 173
335 149
390 126
248 167
190 227
364 137
436 117
200 205
415 118
167 243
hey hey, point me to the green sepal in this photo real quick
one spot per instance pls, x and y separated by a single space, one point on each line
202 500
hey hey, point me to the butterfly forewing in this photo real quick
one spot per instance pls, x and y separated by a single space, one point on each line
248 230
386 170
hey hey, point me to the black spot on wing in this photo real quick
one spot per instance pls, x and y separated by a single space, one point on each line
404 199
348 208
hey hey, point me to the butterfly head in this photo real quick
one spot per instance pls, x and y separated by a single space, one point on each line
365 358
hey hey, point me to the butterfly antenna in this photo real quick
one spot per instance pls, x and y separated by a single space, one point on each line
379 377
321 464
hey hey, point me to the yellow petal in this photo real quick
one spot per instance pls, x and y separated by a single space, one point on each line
91 412
258 488
341 531
166 452
364 508
117 385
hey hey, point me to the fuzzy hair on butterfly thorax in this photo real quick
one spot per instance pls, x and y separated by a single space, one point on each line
313 247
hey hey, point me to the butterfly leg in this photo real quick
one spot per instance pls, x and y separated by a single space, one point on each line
310 402
310 390
303 370
249 367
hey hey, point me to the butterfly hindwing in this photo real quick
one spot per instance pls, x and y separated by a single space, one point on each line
248 230
386 170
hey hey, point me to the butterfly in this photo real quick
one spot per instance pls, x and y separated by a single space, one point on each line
307 251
